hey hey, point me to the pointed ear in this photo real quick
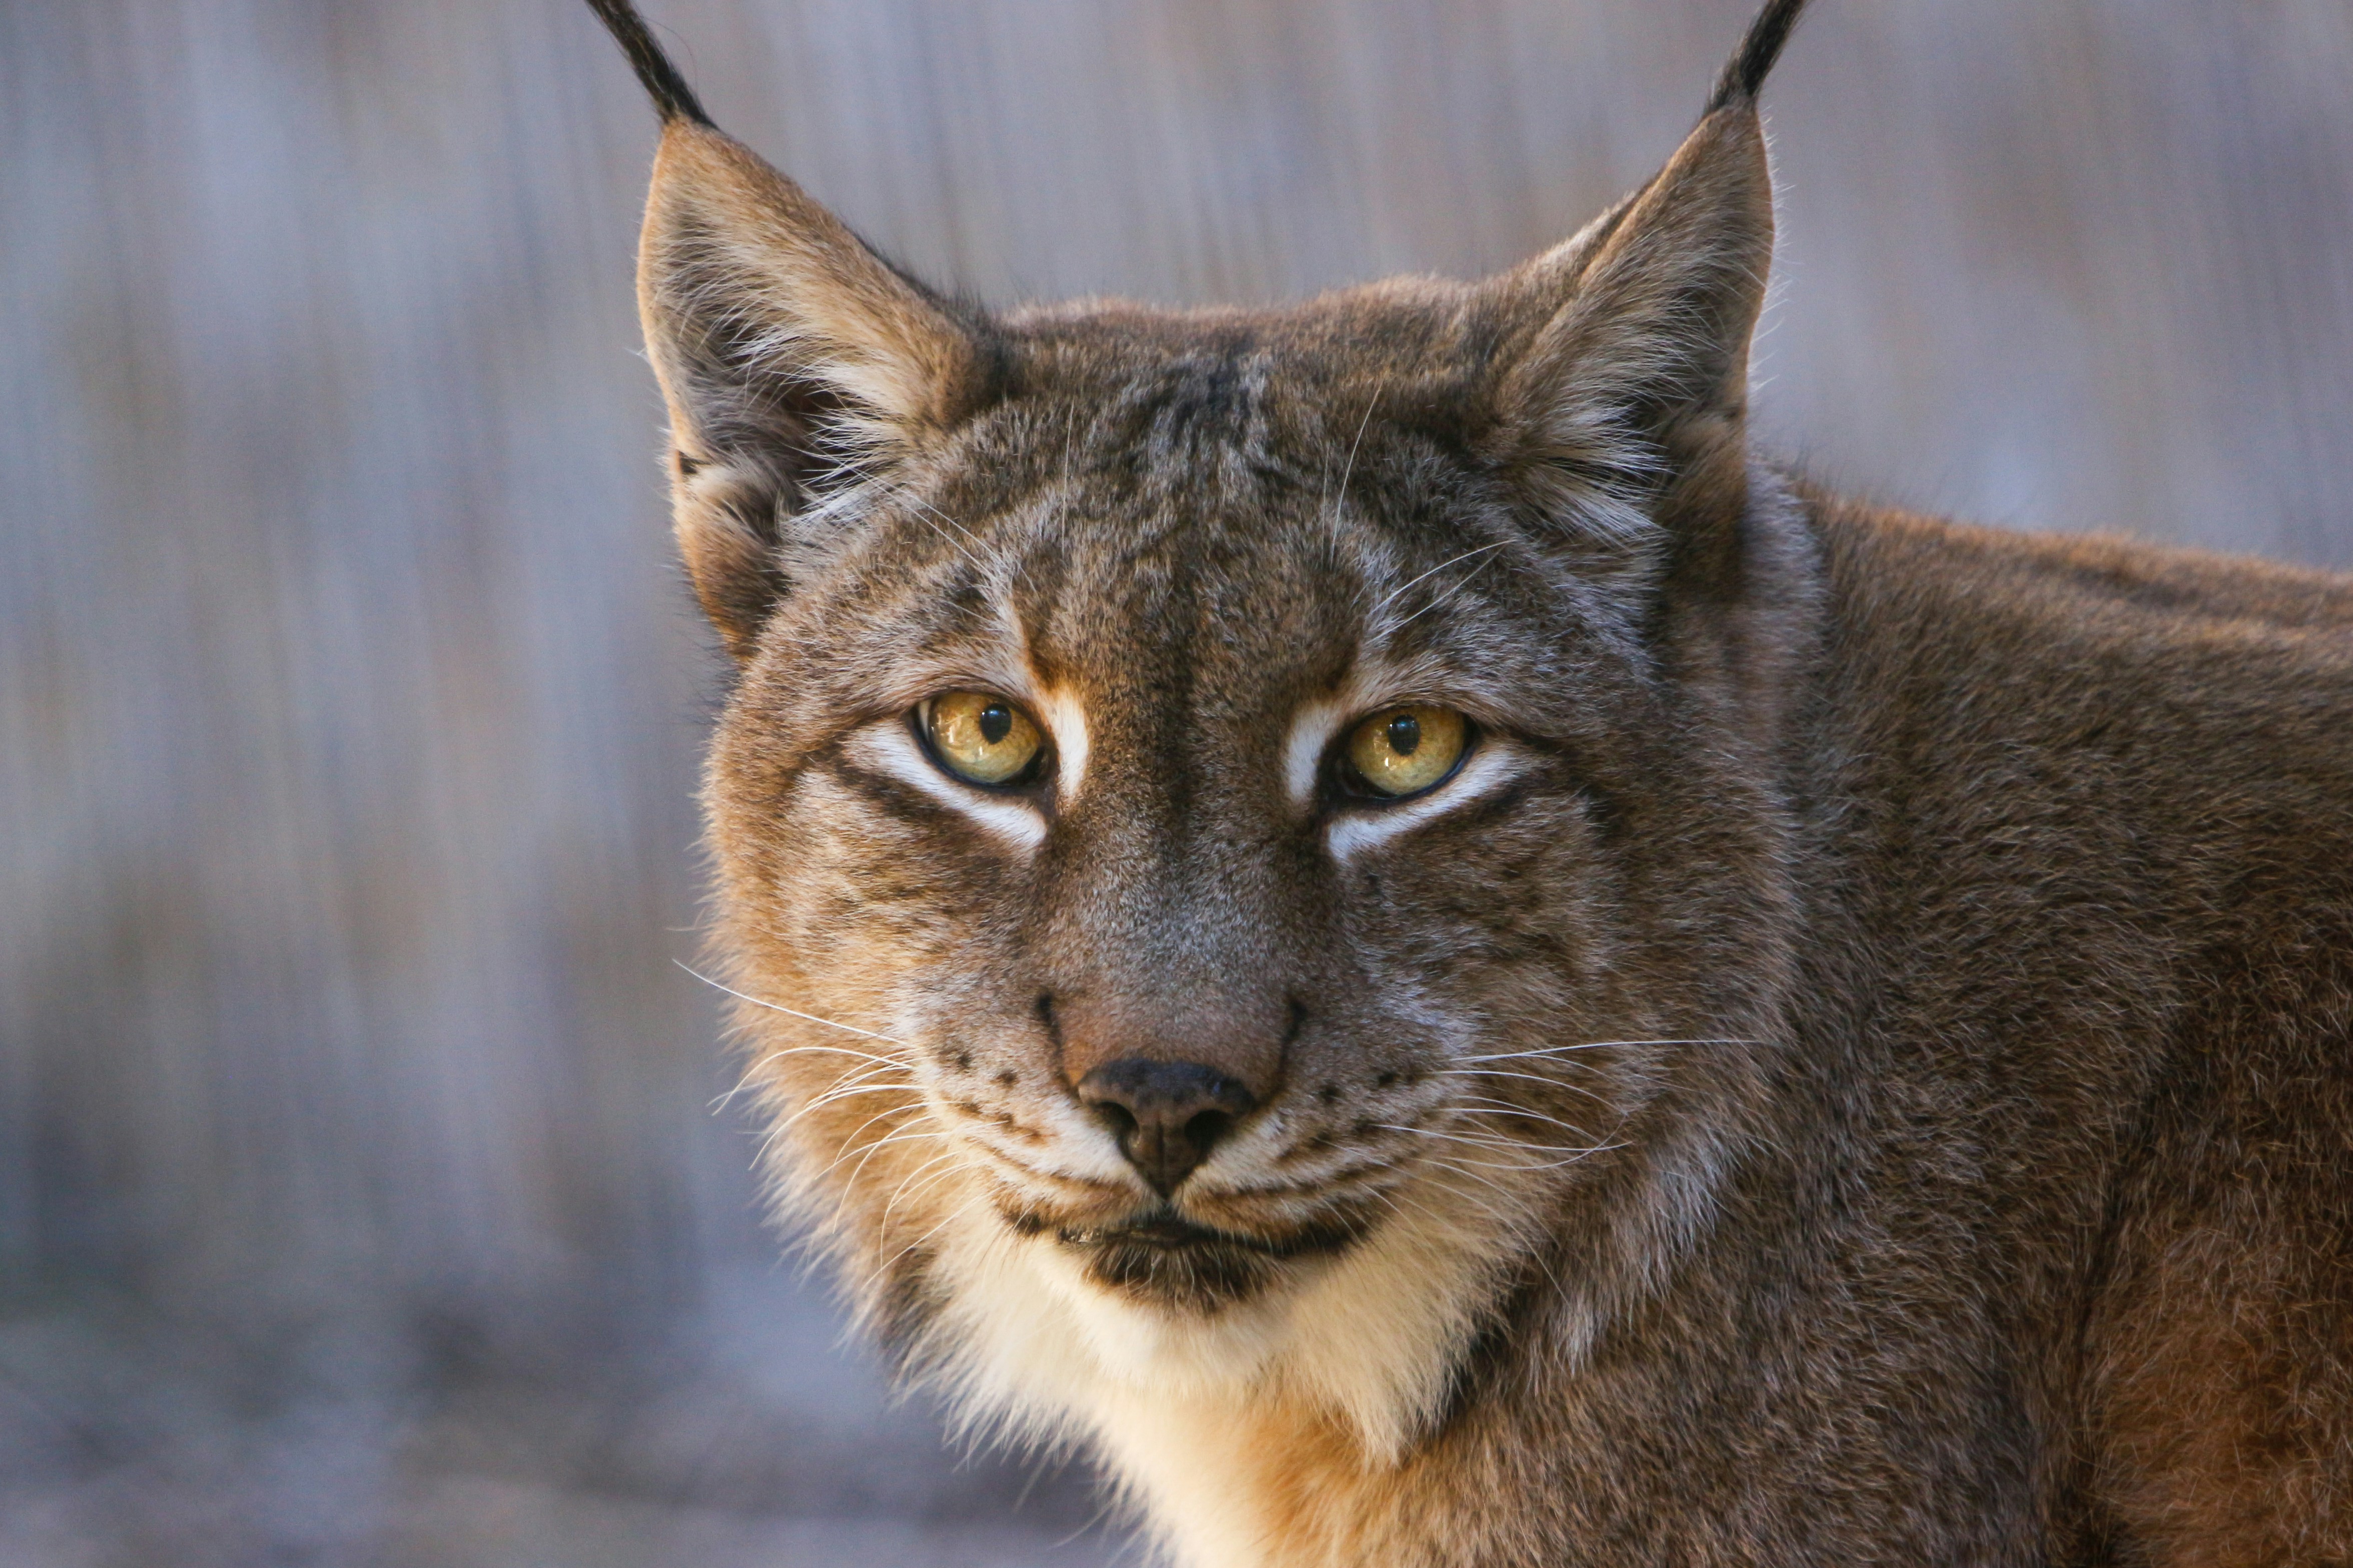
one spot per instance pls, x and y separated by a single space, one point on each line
796 363
1636 369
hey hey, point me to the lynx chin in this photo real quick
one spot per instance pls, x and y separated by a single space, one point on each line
1361 910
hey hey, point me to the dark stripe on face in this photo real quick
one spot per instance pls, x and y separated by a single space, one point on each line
908 803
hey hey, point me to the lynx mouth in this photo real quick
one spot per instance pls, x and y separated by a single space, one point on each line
1164 1258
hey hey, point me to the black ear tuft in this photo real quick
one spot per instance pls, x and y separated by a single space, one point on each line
671 95
1746 70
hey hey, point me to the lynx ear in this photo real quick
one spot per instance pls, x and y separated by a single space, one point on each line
794 362
1636 371
792 356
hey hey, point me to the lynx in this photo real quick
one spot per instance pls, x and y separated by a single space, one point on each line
1360 909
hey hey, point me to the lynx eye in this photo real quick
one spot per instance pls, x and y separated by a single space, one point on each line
1404 750
983 739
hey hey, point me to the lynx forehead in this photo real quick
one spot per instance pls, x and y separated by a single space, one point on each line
1357 907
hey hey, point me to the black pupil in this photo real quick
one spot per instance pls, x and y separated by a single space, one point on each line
1405 734
996 722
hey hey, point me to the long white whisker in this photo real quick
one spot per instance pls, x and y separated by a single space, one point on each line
1499 1144
766 1057
884 1223
834 1096
1388 598
933 518
862 1076
795 1012
849 1145
1576 1157
1590 1046
1482 1107
1457 1165
882 1265
850 1182
865 1150
1397 1196
1491 1141
1530 1077
1340 498
1438 599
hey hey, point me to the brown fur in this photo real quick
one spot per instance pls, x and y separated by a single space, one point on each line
1857 1068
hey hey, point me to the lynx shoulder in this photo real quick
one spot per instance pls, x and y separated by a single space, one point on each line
1360 909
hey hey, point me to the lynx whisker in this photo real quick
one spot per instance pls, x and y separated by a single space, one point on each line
1391 596
900 1190
749 1081
849 1144
1497 1207
862 1076
835 1096
845 1147
882 1267
865 1148
1541 1051
941 523
794 1011
1455 1165
1482 1107
1338 499
1442 597
849 1183
1499 1144
1487 1074
780 1052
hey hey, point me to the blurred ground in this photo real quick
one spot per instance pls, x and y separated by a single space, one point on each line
746 1436
360 1196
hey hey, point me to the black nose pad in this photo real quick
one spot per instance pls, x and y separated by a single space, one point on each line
1167 1116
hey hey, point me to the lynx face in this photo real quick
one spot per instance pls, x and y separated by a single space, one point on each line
1188 633
1226 850
1232 825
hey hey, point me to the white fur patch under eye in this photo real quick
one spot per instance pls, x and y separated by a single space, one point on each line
888 748
1303 755
1360 830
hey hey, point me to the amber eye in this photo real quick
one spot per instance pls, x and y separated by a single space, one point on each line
984 739
1404 750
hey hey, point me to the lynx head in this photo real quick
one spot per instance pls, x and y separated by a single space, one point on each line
1244 837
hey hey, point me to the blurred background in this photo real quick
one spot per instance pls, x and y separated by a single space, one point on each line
363 1199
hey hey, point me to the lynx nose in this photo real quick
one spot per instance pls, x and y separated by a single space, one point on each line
1166 1115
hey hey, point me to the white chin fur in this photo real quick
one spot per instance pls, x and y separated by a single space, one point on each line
1370 1336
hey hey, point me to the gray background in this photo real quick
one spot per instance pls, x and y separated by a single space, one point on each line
361 1200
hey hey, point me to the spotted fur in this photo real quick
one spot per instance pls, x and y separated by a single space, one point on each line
1856 1067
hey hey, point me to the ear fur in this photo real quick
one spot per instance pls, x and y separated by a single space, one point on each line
1637 369
794 363
1647 359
